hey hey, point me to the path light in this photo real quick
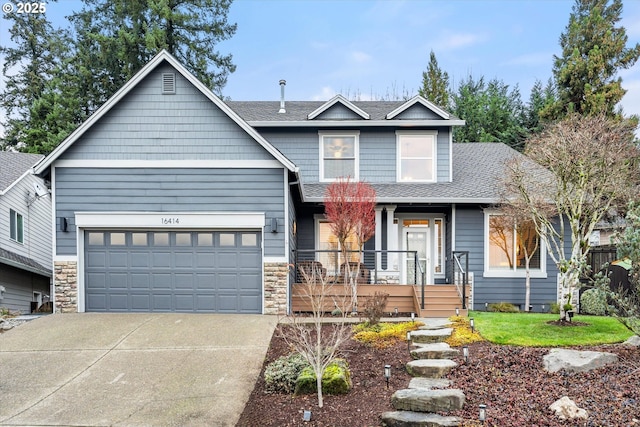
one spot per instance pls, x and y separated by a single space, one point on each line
387 373
409 341
306 416
472 324
543 308
457 311
486 306
395 310
482 416
413 316
465 353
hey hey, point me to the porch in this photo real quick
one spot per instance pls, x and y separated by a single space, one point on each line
316 271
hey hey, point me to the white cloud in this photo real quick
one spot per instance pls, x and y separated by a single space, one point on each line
327 92
460 40
360 57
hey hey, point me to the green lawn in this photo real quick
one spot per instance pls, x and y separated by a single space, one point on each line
532 330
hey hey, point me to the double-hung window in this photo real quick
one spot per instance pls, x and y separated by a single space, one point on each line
416 156
16 226
509 245
338 155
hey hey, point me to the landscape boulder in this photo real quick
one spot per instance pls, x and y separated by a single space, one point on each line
634 341
577 361
566 409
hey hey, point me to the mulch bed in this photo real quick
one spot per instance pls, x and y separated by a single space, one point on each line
509 380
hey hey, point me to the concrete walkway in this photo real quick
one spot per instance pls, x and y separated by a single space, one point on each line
94 369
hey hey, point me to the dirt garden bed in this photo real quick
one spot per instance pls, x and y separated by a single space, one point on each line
509 380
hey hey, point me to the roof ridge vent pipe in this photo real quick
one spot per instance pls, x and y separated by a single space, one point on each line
282 84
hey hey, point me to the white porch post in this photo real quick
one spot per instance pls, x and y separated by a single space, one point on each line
378 240
392 239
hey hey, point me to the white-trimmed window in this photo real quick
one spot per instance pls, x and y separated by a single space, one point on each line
327 241
338 155
507 246
16 226
416 156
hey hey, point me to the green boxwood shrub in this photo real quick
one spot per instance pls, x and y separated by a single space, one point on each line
336 379
281 375
502 307
593 301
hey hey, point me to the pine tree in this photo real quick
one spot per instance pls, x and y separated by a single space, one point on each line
435 83
35 93
116 38
492 113
593 51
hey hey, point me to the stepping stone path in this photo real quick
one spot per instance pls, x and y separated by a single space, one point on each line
428 392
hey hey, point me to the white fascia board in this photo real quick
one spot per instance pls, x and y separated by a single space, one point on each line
419 100
191 164
14 183
170 220
354 123
124 90
344 101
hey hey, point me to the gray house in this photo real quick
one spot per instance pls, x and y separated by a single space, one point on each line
169 199
25 234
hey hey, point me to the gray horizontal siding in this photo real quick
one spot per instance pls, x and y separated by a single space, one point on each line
169 190
146 125
37 221
338 112
418 112
470 237
378 160
20 286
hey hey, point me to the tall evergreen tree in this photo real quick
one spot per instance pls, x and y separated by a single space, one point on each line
435 83
35 101
115 38
539 99
492 113
593 50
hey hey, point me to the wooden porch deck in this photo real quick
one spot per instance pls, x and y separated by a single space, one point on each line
440 300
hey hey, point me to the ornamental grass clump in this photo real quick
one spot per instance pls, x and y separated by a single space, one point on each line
383 335
462 334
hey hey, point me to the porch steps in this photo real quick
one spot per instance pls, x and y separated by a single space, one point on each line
439 301
427 400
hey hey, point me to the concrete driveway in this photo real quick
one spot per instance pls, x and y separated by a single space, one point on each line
90 369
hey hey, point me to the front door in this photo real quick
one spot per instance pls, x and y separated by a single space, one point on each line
417 239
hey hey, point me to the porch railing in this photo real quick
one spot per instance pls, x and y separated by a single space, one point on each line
370 265
461 274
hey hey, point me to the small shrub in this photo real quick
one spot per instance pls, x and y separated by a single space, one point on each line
281 375
383 335
374 306
593 301
554 308
462 334
336 379
502 307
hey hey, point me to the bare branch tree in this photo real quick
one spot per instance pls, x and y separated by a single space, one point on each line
308 335
591 168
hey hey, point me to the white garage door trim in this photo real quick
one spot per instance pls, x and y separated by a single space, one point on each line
160 220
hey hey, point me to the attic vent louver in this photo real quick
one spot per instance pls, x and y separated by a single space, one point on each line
168 83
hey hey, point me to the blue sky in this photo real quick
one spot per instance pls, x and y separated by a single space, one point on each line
367 49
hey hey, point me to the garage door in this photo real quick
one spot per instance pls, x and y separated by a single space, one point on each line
187 271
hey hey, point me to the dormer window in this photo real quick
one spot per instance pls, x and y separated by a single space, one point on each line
416 156
338 155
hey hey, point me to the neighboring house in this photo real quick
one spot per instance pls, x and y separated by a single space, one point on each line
169 199
25 234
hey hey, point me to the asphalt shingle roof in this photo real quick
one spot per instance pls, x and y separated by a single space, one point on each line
477 170
14 165
254 111
27 263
